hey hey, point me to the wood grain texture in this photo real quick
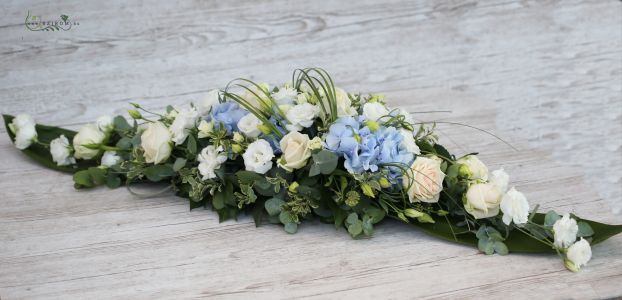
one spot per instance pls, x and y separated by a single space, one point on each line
542 74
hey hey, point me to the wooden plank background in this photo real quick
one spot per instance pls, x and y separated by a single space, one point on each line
545 75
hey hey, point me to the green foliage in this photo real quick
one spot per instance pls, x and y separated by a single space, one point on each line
323 162
157 173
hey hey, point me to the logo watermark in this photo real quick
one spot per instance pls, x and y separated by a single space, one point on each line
36 23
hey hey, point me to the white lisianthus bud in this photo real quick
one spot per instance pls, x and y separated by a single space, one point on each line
205 128
237 137
258 157
185 120
23 126
296 152
205 106
210 159
424 180
408 141
482 200
110 158
105 123
301 116
285 95
515 207
374 111
578 254
89 134
500 179
156 142
61 151
249 125
316 143
565 231
477 168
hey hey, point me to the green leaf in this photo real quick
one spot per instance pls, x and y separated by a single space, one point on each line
98 175
120 124
550 218
314 170
218 202
500 248
585 229
352 218
192 144
82 179
113 181
355 228
179 163
375 214
248 177
326 161
285 217
274 206
156 173
291 227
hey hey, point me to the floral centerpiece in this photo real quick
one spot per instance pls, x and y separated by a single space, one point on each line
304 150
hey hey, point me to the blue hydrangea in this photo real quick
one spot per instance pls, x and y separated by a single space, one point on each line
227 114
364 150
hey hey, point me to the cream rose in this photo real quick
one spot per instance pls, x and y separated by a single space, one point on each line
373 111
296 151
477 169
482 200
156 142
89 134
424 180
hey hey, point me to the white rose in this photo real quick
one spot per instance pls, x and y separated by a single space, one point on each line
296 151
373 111
424 180
110 158
61 151
408 141
500 179
205 128
482 200
205 106
258 157
185 120
156 142
210 159
515 207
285 95
478 169
249 125
89 134
105 123
23 126
579 254
565 230
301 116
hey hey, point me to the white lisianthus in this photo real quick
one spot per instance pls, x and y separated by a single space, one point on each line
205 106
61 151
515 207
424 180
301 116
210 159
500 179
408 141
373 111
249 125
23 126
565 230
578 255
258 157
185 120
477 169
285 95
156 142
482 200
407 116
296 151
110 158
105 123
89 134
205 128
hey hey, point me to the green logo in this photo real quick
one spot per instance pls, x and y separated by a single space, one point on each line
36 23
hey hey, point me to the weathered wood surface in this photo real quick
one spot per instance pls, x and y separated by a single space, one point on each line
539 73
